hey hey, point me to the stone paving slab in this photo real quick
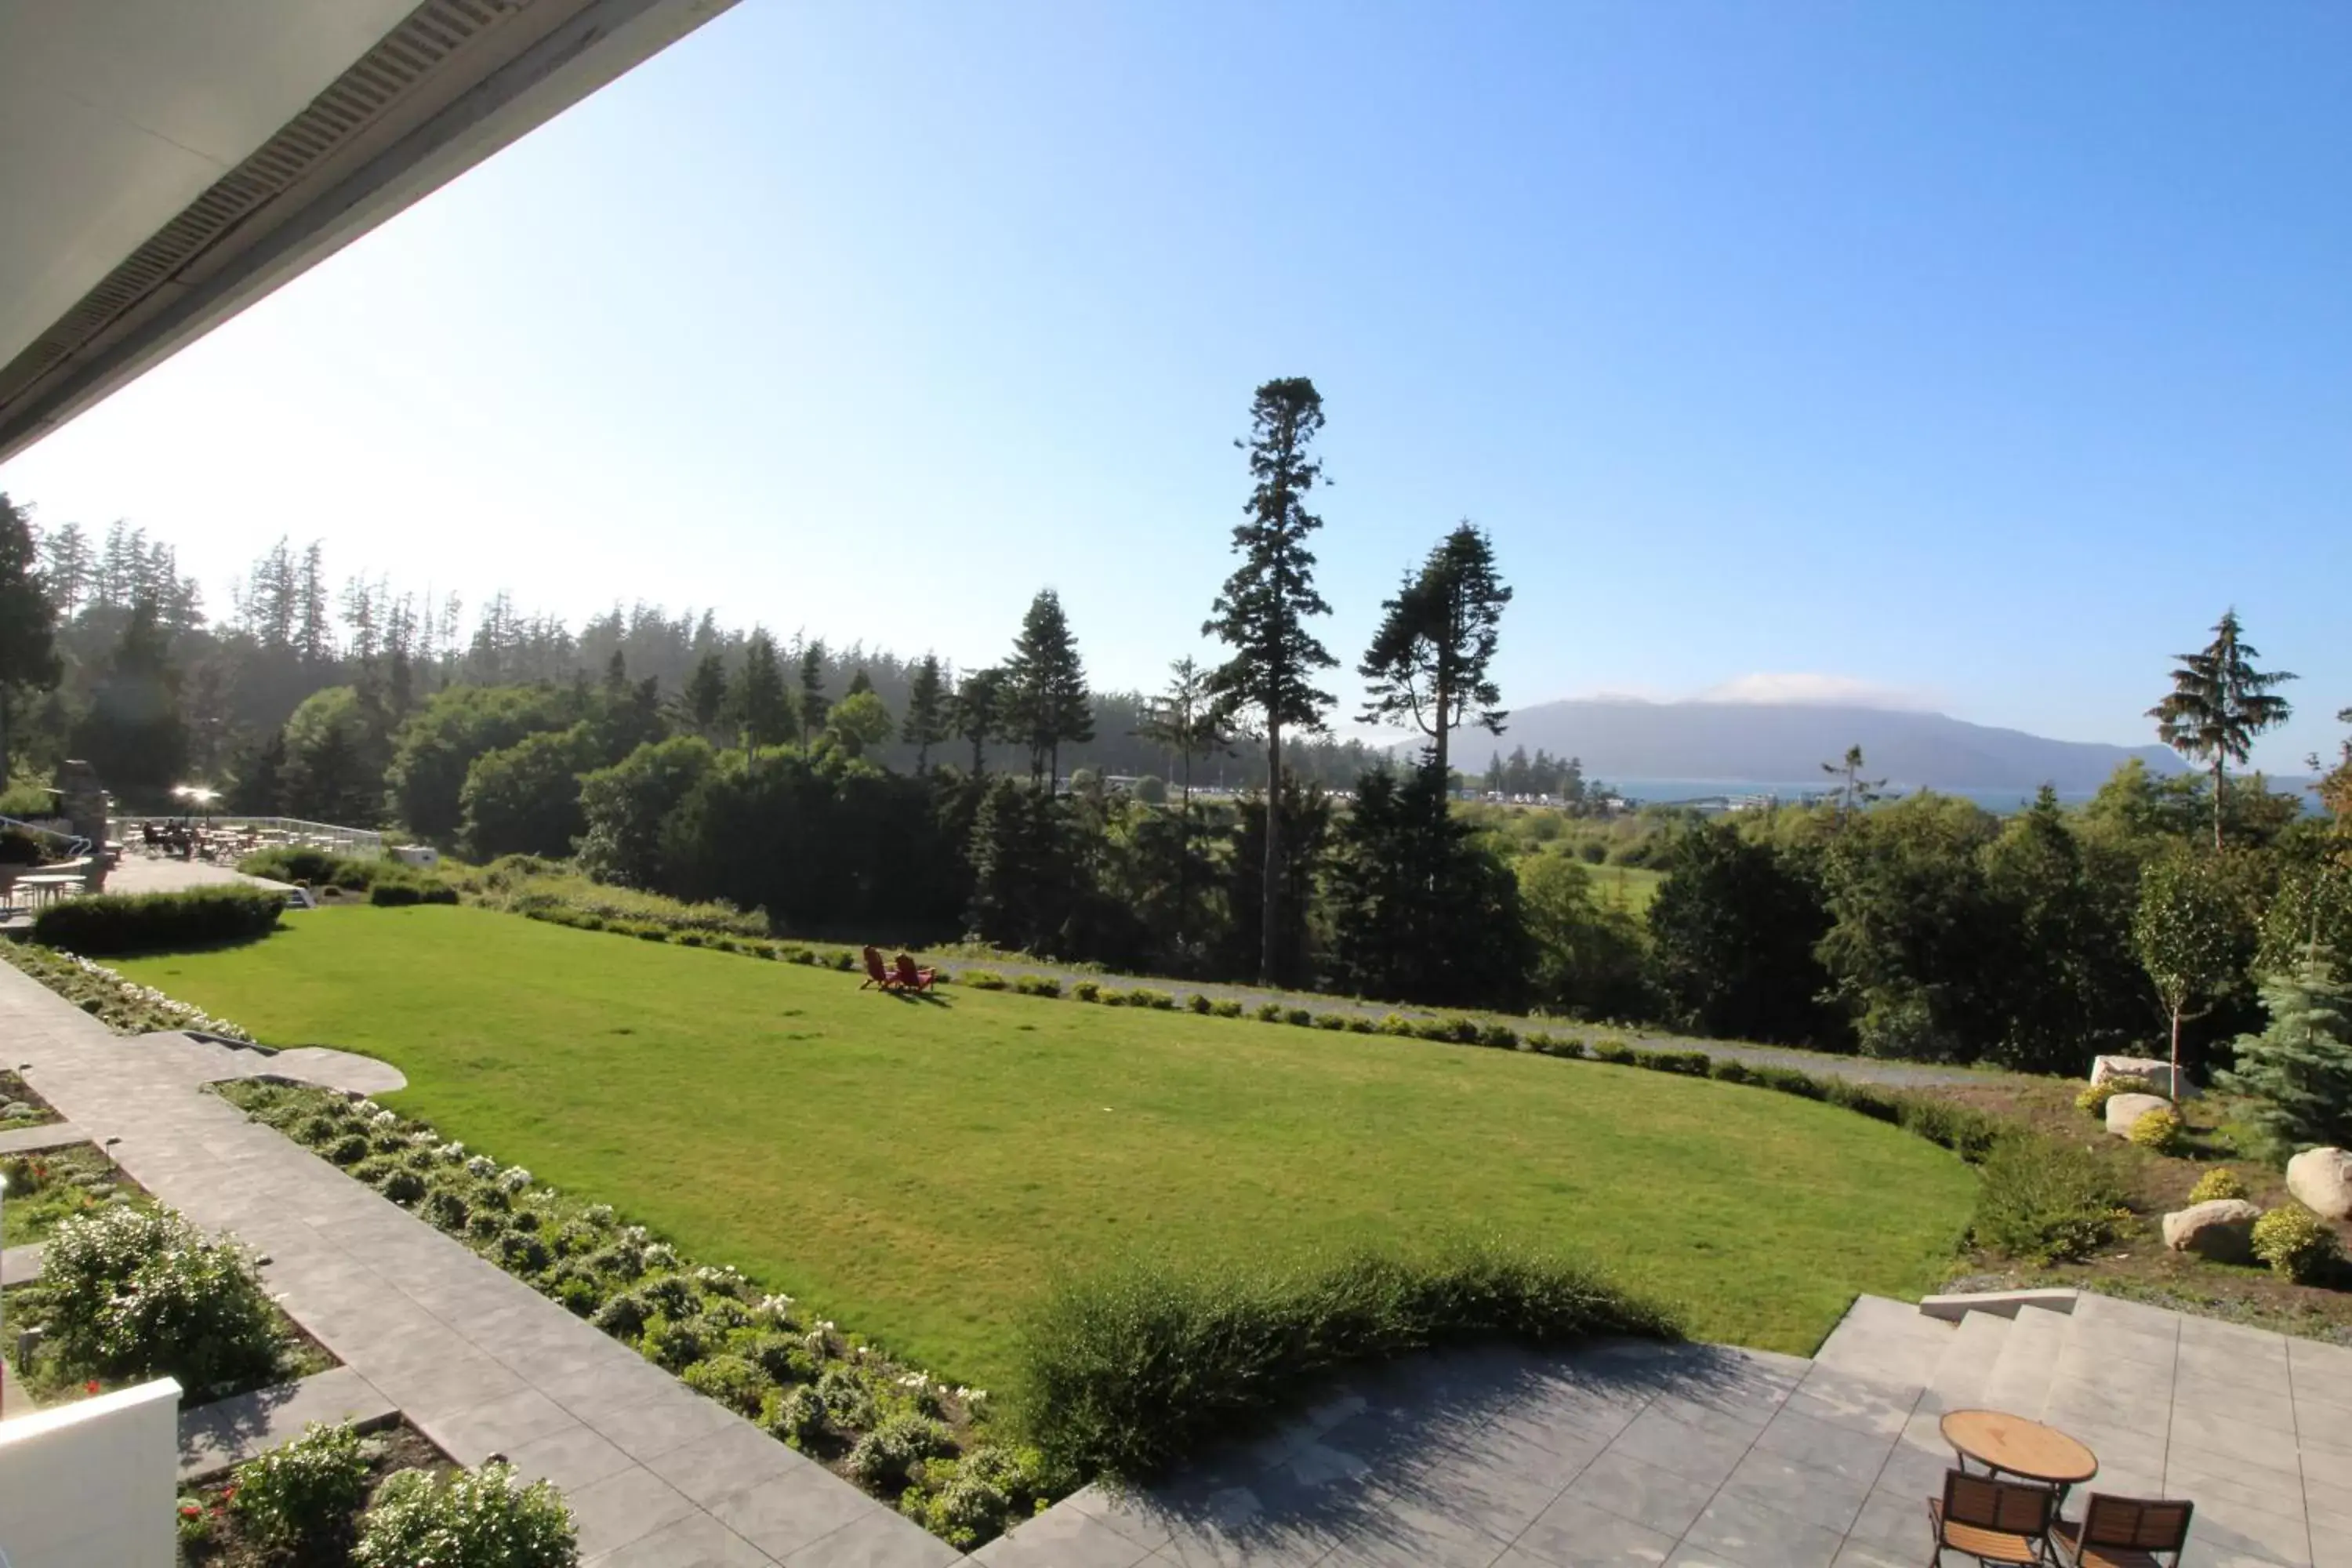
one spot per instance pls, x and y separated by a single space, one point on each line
47 1135
475 1359
230 1431
21 1265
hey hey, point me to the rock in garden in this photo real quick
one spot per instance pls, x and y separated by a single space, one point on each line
2157 1072
2321 1181
2126 1108
2223 1230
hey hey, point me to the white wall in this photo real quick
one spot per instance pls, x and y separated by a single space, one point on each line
91 1484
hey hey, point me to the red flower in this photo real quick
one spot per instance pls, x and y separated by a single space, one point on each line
90 1387
192 1510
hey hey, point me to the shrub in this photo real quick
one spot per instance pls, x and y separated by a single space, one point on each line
411 888
674 1345
1227 1008
2158 1132
348 1149
624 1315
1731 1069
1133 1370
523 1253
137 1294
1158 1001
1499 1037
1197 1001
1359 1024
2220 1182
2047 1202
981 980
1396 1024
1267 1013
732 1379
2296 1243
402 1185
475 1519
1967 1131
1333 1021
2093 1097
301 1497
1298 1018
320 868
1616 1051
110 925
1690 1064
883 1454
1037 986
796 1415
847 1401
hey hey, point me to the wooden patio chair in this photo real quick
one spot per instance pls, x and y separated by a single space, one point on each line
876 975
1993 1521
2124 1532
911 978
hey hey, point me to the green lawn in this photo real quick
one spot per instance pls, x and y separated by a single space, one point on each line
917 1170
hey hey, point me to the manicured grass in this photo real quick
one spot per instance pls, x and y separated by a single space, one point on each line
1636 885
921 1170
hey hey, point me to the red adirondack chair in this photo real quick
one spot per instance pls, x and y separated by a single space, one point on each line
881 979
910 978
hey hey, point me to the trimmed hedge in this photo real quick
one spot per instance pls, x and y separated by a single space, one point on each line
1135 1370
320 868
110 925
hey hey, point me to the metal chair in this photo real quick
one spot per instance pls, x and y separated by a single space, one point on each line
2005 1522
2124 1532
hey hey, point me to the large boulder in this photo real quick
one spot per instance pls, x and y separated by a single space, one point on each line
2124 1109
2157 1072
2223 1230
2321 1181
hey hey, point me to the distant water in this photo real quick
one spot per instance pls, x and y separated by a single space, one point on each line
1666 792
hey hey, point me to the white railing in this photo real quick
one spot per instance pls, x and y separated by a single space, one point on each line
359 841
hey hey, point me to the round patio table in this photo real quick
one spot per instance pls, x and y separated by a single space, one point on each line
2011 1445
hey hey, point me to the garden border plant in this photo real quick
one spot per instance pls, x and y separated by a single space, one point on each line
123 1005
891 1428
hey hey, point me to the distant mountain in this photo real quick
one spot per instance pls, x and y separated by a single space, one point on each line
1771 743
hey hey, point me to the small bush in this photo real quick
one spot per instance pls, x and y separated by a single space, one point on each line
673 1346
847 1401
1227 1008
732 1379
319 867
885 1455
1615 1051
348 1149
1791 1081
1134 1370
796 1415
1967 1131
1197 1001
301 1498
2047 1202
623 1316
1158 1001
475 1519
108 925
1731 1069
1087 991
1268 1012
2158 1132
402 1185
410 889
981 980
2218 1183
1037 986
134 1294
1690 1064
2093 1099
1499 1037
1336 1022
2297 1244
1396 1025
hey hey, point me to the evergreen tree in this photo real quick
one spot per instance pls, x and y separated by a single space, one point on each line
1187 720
1305 827
66 564
314 635
814 702
705 692
1262 611
1429 661
1045 694
1854 792
28 655
926 721
2218 704
858 682
763 707
2298 1071
1733 929
977 712
133 733
1021 869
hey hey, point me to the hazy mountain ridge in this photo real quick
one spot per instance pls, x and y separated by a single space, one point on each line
1619 738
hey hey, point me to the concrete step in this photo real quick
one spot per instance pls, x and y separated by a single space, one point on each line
1958 1383
2021 1375
1885 1341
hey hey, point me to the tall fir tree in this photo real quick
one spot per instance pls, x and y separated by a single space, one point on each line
977 713
763 709
1187 720
925 723
2219 703
2298 1073
28 654
1046 698
705 698
1261 614
814 703
1429 662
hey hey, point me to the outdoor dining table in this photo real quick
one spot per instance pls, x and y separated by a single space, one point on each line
2011 1445
39 888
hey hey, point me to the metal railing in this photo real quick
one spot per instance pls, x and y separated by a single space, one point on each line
328 836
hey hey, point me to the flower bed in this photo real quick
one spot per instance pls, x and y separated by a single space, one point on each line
47 1187
131 1293
19 1106
122 1005
333 1497
886 1427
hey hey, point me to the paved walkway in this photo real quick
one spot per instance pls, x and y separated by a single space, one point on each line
658 1476
1708 1457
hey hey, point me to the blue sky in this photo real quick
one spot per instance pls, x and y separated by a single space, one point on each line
1971 355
